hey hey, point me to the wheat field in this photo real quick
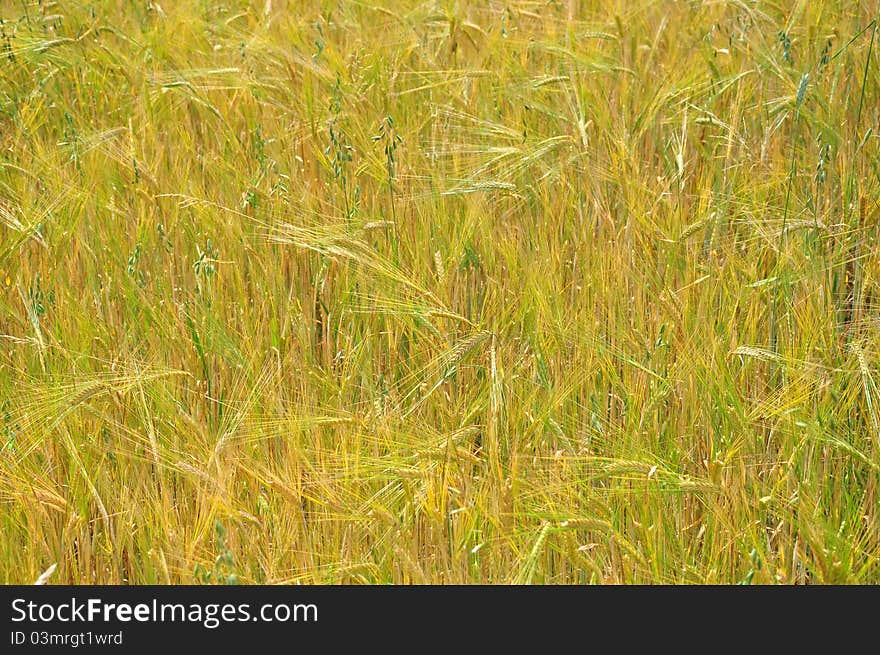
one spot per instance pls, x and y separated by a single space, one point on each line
360 292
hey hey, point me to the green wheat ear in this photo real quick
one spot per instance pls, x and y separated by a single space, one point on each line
802 89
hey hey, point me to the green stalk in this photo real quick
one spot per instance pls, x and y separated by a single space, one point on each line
802 90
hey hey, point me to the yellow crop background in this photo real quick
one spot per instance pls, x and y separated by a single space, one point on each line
439 292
